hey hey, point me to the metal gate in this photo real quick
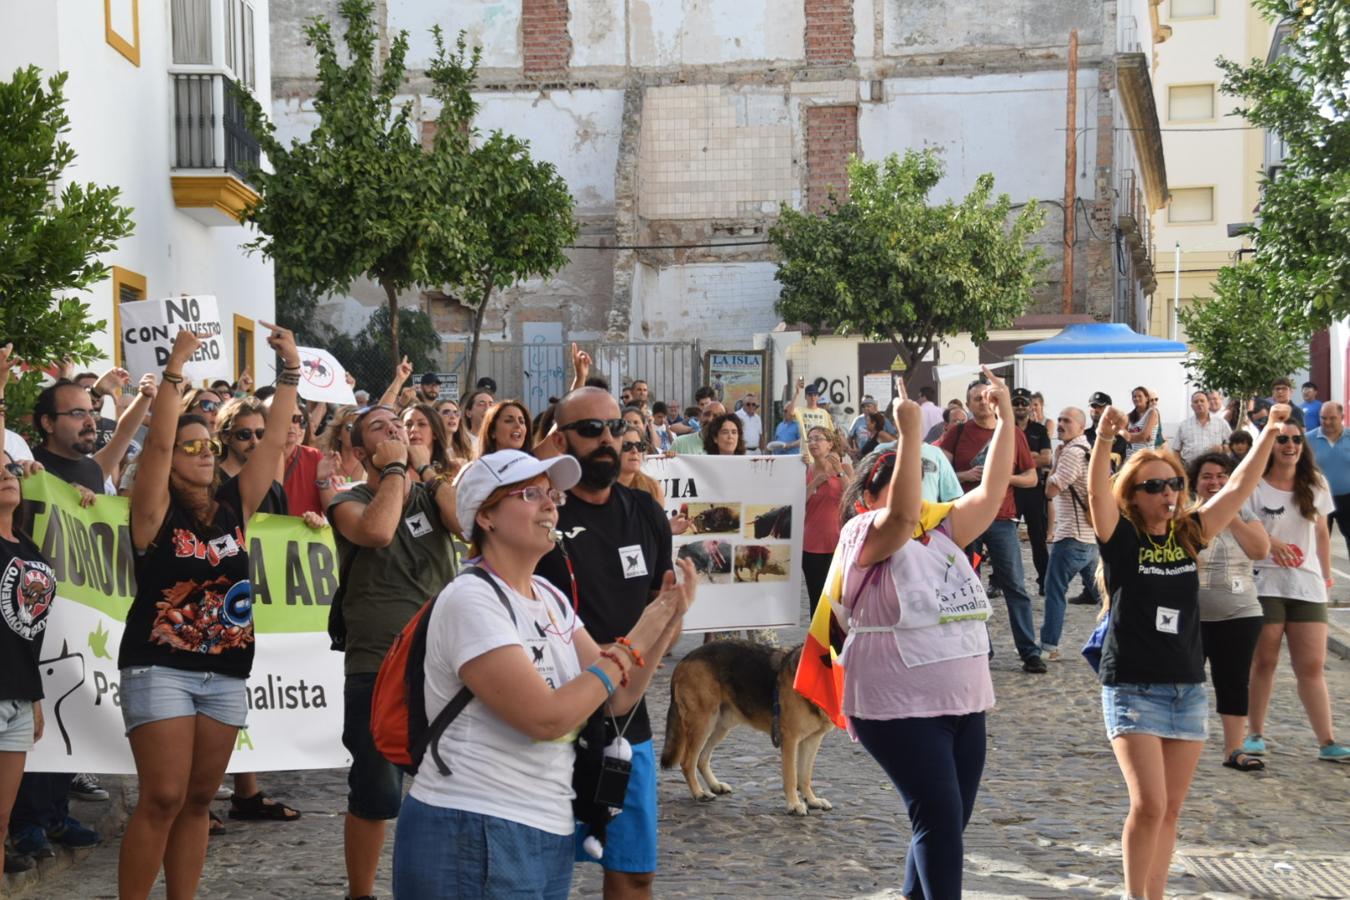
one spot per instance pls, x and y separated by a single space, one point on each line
536 372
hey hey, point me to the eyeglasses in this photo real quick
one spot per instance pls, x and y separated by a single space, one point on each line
630 446
208 406
246 434
299 419
1021 403
1158 485
593 428
1097 406
14 469
1286 438
750 404
535 494
76 413
200 446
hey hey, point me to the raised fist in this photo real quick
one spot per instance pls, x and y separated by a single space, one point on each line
389 451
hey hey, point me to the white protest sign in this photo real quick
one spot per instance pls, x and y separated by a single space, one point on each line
150 326
746 515
322 378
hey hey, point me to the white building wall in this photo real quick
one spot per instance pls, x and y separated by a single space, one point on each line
709 301
121 129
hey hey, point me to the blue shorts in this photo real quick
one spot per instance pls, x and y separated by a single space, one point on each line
16 726
1178 712
491 857
154 693
630 839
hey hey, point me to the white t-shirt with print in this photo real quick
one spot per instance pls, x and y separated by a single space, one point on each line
1280 515
495 769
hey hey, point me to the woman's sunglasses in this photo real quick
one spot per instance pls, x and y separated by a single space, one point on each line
200 446
246 434
593 428
1158 485
630 446
14 469
1286 438
208 406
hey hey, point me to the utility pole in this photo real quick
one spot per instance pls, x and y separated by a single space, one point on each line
1070 168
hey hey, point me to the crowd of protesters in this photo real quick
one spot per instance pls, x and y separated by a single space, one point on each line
1207 544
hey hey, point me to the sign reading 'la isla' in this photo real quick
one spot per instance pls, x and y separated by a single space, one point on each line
150 326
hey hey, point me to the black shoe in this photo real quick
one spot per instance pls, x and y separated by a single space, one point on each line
1034 665
993 592
1040 590
17 862
1083 599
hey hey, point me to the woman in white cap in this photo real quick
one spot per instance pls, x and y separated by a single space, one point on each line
505 807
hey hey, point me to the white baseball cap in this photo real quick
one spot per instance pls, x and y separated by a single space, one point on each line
476 481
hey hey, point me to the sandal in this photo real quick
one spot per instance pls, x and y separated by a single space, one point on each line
261 808
217 825
1243 762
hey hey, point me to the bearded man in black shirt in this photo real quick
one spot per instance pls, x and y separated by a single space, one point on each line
615 550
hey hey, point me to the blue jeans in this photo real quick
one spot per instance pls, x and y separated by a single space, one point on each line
1005 556
935 764
449 854
1068 559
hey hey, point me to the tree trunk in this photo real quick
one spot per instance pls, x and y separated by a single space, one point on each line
478 315
392 296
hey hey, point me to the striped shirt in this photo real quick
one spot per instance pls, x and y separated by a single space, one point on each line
1071 471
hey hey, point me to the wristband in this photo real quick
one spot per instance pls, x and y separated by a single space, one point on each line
323 484
422 471
171 377
394 469
598 672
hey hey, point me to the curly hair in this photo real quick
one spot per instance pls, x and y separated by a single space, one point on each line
710 431
1188 530
1307 477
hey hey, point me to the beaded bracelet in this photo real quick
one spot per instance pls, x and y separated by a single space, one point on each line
614 658
628 645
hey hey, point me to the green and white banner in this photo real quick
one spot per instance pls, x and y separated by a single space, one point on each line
294 693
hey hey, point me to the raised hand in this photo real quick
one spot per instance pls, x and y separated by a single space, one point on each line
402 371
113 381
148 386
282 342
581 364
185 343
1279 414
1112 423
246 383
389 451
997 394
419 456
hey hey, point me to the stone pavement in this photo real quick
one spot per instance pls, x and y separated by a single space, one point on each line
1047 823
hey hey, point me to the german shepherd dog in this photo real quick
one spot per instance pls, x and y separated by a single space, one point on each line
728 683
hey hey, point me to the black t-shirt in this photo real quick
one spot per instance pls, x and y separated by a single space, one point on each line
27 589
1119 447
620 551
105 427
83 471
1154 635
194 603
1038 439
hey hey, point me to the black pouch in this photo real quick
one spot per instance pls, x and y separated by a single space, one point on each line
612 785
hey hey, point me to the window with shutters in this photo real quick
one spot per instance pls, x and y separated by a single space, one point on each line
1190 103
127 287
1191 206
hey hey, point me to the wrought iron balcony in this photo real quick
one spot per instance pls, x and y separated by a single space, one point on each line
210 129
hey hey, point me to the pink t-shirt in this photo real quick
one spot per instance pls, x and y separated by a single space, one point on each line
822 516
877 682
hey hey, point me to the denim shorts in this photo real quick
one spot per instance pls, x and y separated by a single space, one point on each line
374 784
154 693
491 858
630 839
16 726
1178 712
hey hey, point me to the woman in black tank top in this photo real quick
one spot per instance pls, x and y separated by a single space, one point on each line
188 645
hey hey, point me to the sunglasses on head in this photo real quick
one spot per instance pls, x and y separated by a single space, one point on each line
593 428
200 446
1158 485
247 434
14 469
629 446
1286 438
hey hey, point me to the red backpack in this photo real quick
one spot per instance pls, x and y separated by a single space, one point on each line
398 718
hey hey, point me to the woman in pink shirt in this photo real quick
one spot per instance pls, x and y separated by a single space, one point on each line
828 468
916 682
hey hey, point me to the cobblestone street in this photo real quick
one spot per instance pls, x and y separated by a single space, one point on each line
1047 823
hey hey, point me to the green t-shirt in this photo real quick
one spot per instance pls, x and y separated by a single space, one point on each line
688 444
388 585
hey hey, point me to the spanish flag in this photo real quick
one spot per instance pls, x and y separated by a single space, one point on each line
820 677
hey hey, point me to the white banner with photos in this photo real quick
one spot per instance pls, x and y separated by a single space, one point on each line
745 516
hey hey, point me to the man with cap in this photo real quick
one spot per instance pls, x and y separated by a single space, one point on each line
430 389
857 431
752 427
1031 500
486 384
394 551
614 552
1099 403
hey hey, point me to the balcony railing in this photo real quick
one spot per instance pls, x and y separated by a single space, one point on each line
210 129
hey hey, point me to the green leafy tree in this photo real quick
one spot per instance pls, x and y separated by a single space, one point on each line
885 264
1241 342
518 209
51 235
359 197
368 353
1303 232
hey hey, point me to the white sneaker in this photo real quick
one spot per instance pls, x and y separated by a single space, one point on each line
1051 656
86 787
224 792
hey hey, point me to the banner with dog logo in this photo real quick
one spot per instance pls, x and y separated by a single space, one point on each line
294 693
739 520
